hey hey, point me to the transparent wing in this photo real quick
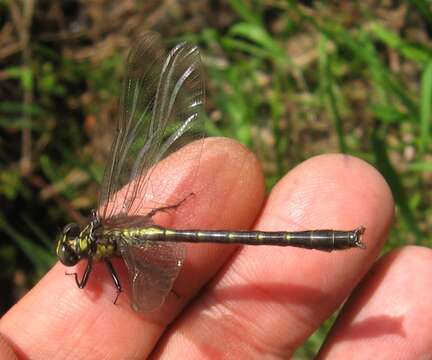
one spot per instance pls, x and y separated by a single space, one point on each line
153 268
162 100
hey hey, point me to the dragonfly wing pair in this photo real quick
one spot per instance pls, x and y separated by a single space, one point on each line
161 106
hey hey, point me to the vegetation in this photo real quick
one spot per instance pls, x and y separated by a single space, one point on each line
288 79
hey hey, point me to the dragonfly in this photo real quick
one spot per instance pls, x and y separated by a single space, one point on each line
161 112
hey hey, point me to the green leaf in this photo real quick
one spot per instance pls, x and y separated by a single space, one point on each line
388 114
25 74
27 79
10 183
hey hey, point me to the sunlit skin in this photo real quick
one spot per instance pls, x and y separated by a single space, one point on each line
249 302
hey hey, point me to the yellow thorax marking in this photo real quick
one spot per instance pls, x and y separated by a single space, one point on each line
59 243
103 250
84 237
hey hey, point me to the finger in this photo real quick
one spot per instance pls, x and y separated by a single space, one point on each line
57 317
6 351
268 300
388 317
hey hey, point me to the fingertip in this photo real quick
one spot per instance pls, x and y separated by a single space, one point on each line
334 191
229 186
389 313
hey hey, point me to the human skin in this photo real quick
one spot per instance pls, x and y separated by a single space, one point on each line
238 302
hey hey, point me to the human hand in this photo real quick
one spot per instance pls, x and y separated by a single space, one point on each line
250 302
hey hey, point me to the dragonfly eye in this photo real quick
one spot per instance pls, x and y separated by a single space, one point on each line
67 255
71 231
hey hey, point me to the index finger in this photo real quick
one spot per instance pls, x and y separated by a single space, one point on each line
56 317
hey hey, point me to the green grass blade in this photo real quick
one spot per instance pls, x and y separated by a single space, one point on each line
425 107
421 167
249 15
416 52
327 85
424 8
261 37
40 257
386 168
31 224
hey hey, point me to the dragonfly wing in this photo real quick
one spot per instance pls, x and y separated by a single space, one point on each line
153 268
161 106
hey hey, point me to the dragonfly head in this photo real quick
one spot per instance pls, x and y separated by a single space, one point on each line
68 245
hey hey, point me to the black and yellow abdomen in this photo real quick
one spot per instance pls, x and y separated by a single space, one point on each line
326 240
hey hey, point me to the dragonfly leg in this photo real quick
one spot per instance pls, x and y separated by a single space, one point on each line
114 277
82 283
169 207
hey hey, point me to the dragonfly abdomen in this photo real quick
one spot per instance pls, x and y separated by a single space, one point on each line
327 240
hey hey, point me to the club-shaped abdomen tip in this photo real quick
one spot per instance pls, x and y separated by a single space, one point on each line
357 236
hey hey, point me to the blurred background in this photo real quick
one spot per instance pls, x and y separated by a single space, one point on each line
288 79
